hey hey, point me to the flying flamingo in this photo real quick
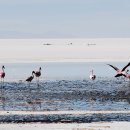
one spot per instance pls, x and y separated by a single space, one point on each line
92 76
38 73
120 72
2 74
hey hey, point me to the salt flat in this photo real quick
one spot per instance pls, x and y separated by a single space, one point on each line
62 112
68 126
27 50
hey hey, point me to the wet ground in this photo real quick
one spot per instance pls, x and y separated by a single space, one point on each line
60 95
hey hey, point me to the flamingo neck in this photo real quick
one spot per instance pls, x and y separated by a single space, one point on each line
92 72
39 69
33 73
3 70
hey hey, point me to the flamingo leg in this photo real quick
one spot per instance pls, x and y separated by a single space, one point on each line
29 87
2 93
37 81
3 83
1 90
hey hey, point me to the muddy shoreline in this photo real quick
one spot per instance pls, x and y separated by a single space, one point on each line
102 94
65 95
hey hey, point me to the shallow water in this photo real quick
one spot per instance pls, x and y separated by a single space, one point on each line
60 70
64 86
103 94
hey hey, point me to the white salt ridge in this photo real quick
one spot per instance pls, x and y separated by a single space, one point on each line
30 50
68 126
61 112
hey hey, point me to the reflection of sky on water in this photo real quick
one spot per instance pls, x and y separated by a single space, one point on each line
60 70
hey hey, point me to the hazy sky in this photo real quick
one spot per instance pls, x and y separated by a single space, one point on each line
64 18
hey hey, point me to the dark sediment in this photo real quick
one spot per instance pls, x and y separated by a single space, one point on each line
64 118
101 94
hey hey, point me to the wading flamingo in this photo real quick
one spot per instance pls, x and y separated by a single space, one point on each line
38 73
92 76
2 73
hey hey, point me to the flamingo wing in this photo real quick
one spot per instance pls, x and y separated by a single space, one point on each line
2 74
118 75
126 66
115 68
37 73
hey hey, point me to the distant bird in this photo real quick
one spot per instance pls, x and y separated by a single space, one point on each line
29 79
92 76
38 73
120 72
2 73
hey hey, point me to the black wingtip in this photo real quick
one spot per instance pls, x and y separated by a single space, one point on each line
118 75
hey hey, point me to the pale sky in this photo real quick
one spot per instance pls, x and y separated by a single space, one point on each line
64 18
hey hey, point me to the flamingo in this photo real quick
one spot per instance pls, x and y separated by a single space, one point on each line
120 72
29 79
92 76
2 73
38 73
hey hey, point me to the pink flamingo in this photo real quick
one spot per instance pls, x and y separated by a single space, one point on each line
92 76
120 72
2 74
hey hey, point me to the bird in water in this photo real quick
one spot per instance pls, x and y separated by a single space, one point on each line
2 73
121 72
92 76
29 79
38 73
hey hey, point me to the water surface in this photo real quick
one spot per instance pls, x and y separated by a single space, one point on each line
60 70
